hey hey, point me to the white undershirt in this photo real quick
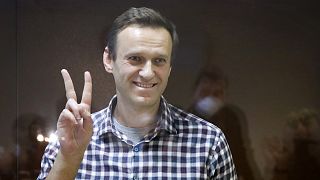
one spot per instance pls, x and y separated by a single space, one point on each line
133 134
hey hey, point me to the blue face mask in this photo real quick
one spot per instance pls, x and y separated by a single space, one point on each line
208 106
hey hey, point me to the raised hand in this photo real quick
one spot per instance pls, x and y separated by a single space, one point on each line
74 127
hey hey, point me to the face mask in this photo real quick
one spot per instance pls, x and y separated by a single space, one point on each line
207 106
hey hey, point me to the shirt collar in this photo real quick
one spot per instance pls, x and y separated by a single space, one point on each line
166 117
166 121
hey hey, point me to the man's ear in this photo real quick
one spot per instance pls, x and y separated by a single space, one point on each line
107 60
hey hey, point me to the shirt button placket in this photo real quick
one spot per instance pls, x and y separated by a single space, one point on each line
136 149
135 154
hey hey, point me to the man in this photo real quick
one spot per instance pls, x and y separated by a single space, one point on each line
209 103
139 135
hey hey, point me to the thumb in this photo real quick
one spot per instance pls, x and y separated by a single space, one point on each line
87 120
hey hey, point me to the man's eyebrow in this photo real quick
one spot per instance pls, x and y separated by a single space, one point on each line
162 56
136 53
132 54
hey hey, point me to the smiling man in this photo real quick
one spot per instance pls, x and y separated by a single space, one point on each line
139 135
141 71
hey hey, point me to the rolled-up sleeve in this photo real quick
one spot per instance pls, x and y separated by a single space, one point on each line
48 158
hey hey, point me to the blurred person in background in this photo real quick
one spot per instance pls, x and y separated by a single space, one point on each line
297 154
30 137
7 164
209 103
31 142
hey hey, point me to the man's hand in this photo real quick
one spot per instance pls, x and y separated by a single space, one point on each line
74 125
74 130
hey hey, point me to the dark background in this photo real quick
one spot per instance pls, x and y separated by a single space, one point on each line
269 49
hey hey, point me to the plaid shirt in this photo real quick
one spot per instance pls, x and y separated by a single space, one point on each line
182 146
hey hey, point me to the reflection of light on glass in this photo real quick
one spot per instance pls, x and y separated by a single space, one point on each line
53 137
40 138
46 139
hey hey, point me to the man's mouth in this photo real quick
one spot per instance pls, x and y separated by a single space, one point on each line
145 85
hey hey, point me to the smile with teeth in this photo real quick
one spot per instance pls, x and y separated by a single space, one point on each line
144 85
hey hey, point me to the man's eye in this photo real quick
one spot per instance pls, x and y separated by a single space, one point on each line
135 58
160 61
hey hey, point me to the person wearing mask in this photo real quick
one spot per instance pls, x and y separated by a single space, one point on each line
209 103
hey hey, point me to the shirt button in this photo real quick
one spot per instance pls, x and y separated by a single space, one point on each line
135 178
136 149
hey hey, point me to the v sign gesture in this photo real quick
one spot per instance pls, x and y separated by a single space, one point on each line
74 129
75 123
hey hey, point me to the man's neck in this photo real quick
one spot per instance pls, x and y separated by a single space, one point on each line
135 116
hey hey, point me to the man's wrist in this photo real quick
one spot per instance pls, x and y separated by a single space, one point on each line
70 160
65 167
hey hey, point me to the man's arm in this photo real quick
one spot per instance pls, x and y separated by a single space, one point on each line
74 130
221 165
64 167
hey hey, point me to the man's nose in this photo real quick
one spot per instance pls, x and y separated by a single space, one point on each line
147 71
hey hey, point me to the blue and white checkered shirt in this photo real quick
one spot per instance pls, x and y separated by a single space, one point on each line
182 146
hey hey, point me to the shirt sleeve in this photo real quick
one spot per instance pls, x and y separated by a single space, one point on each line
221 166
48 159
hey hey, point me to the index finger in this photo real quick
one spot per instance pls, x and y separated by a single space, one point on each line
68 84
87 89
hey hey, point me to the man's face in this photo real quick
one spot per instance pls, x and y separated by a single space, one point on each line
211 88
142 67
